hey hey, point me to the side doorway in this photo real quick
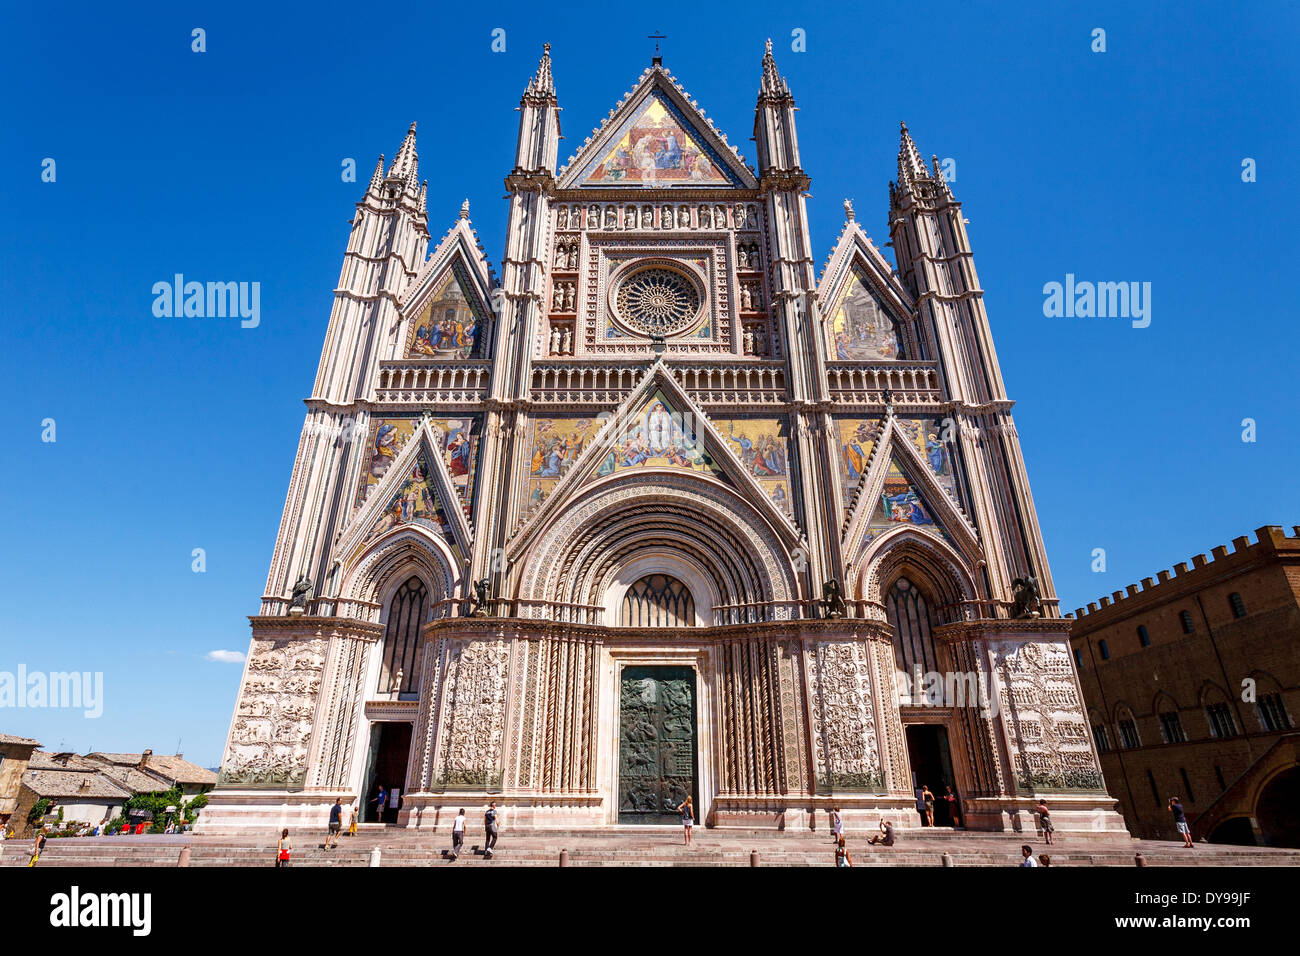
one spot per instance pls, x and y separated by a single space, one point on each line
931 762
390 752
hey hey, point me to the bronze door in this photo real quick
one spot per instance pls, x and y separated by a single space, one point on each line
656 744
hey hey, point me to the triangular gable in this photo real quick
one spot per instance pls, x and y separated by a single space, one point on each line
657 138
416 490
864 306
446 308
657 426
908 487
389 435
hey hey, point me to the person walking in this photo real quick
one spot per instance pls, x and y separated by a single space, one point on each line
1180 822
38 847
886 835
336 824
490 829
687 810
283 848
927 798
1045 820
837 825
457 834
356 812
1027 856
842 857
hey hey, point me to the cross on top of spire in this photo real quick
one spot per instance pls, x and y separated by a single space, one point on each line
657 59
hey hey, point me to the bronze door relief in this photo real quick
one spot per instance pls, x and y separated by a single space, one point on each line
656 744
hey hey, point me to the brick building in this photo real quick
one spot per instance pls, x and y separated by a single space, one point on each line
1192 684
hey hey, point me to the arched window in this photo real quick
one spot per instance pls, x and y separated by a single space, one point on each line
909 614
1237 604
402 639
658 600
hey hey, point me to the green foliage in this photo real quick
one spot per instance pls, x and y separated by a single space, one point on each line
157 804
39 809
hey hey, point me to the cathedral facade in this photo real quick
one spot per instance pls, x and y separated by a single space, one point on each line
658 511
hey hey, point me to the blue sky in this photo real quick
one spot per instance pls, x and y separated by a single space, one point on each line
175 434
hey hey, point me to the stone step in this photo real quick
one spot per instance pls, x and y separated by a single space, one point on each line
629 847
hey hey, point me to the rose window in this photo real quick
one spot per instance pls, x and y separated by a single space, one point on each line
657 301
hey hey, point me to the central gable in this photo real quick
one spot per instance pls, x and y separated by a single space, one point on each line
656 146
657 138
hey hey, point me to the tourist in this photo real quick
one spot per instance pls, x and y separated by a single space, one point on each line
1139 859
842 857
886 835
38 847
950 797
282 848
1027 854
1045 820
356 813
927 798
457 834
336 824
1180 821
687 810
379 804
1044 859
490 829
837 825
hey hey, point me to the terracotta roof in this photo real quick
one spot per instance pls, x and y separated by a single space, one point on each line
71 785
174 768
43 760
11 739
137 781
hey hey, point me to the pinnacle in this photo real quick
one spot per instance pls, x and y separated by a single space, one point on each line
910 164
773 83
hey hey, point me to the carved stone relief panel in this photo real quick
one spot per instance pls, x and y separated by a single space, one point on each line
270 740
473 716
1043 717
844 723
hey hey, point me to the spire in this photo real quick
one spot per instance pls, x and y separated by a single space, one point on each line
773 84
464 209
542 83
378 176
910 164
406 164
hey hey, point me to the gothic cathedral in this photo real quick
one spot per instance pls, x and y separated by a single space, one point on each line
658 511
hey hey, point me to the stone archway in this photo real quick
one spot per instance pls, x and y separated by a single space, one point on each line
701 532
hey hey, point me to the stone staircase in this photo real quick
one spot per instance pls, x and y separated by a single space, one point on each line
634 846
